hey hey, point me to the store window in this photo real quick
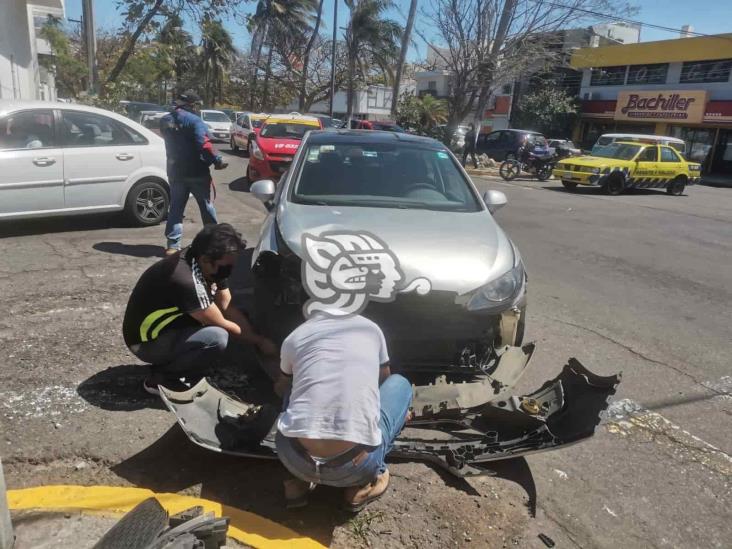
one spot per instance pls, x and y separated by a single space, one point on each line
648 74
706 71
608 76
699 142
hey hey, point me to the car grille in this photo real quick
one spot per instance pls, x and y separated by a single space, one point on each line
574 168
431 329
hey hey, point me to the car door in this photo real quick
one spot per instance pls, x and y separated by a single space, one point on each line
669 165
32 174
646 171
487 143
100 154
242 131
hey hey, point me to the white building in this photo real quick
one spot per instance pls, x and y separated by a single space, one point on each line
371 103
21 75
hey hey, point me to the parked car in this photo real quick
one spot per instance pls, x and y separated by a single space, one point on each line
609 138
325 120
504 144
219 125
382 125
64 158
625 165
455 342
134 109
271 151
247 123
563 148
151 120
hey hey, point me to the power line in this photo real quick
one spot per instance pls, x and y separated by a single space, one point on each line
621 19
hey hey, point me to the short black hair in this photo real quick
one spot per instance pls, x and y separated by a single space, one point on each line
217 240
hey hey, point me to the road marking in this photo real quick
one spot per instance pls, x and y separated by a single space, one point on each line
629 419
245 527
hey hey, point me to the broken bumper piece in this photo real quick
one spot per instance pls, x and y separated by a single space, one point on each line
454 426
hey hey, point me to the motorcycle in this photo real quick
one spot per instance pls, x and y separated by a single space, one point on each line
539 162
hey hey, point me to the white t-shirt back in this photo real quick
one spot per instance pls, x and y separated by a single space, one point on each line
335 364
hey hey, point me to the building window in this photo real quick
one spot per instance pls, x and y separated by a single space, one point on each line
371 100
432 85
699 142
648 74
608 76
506 90
706 71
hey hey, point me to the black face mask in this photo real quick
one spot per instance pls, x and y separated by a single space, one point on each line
222 273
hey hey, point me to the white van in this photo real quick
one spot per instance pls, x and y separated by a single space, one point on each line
608 138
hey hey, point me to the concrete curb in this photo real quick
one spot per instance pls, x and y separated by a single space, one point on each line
483 171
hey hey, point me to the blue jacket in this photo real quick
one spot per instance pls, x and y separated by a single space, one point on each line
187 145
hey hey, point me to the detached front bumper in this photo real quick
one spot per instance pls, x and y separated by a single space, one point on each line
460 427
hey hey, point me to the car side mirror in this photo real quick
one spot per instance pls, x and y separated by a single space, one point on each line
264 190
495 200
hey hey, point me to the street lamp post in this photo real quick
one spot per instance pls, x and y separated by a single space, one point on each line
333 56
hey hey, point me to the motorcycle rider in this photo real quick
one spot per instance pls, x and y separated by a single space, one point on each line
190 154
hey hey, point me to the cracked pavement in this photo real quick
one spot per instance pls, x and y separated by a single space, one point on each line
640 283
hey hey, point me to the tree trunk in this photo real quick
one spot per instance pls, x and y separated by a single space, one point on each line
259 40
306 58
406 38
267 74
351 85
130 46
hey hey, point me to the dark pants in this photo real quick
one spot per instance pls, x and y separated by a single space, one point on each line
180 189
470 152
185 351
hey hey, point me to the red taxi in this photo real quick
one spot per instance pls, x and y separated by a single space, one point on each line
272 149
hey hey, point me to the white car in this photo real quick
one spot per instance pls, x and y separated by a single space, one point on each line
63 158
247 123
219 124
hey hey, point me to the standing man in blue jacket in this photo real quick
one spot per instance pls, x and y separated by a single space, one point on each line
190 154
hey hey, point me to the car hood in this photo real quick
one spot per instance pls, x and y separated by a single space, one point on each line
596 161
278 145
455 251
219 126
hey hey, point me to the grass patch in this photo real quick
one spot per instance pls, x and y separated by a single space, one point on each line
360 525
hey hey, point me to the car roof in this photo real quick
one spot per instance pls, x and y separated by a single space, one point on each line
212 110
335 136
514 130
642 136
281 118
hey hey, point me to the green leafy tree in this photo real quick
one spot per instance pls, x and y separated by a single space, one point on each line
216 55
180 51
68 67
421 114
548 110
371 39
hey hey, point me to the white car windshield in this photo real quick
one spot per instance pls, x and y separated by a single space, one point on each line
215 117
383 175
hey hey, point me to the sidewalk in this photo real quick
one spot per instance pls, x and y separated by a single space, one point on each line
482 171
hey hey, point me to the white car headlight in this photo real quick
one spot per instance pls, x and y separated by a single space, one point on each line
499 290
596 170
256 151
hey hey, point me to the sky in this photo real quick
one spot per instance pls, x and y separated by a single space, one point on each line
706 16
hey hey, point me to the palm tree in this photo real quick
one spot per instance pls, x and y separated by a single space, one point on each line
406 39
179 48
370 39
432 111
273 17
217 51
306 57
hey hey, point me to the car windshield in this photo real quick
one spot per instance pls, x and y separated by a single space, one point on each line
619 151
383 175
388 128
286 130
215 117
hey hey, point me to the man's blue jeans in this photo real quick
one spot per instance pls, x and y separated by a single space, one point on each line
396 397
180 188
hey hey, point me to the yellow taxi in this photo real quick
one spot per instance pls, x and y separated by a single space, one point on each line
625 165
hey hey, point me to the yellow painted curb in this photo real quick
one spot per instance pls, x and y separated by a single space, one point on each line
245 527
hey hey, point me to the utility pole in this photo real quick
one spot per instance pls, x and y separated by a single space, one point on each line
90 37
333 56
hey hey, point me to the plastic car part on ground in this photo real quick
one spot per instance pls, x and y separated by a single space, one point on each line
147 526
454 426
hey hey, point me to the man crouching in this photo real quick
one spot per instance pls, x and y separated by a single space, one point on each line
344 409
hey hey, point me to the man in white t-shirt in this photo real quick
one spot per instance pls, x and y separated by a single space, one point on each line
344 409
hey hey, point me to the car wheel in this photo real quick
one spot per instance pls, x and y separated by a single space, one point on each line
677 186
233 145
615 185
147 203
569 185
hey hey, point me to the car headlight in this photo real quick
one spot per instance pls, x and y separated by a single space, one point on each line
256 151
596 170
499 290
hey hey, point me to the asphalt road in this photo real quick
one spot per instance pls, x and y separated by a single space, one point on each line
640 283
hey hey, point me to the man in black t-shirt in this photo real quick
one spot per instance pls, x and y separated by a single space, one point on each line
179 317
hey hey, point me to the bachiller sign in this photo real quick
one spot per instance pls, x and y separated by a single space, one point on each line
674 106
